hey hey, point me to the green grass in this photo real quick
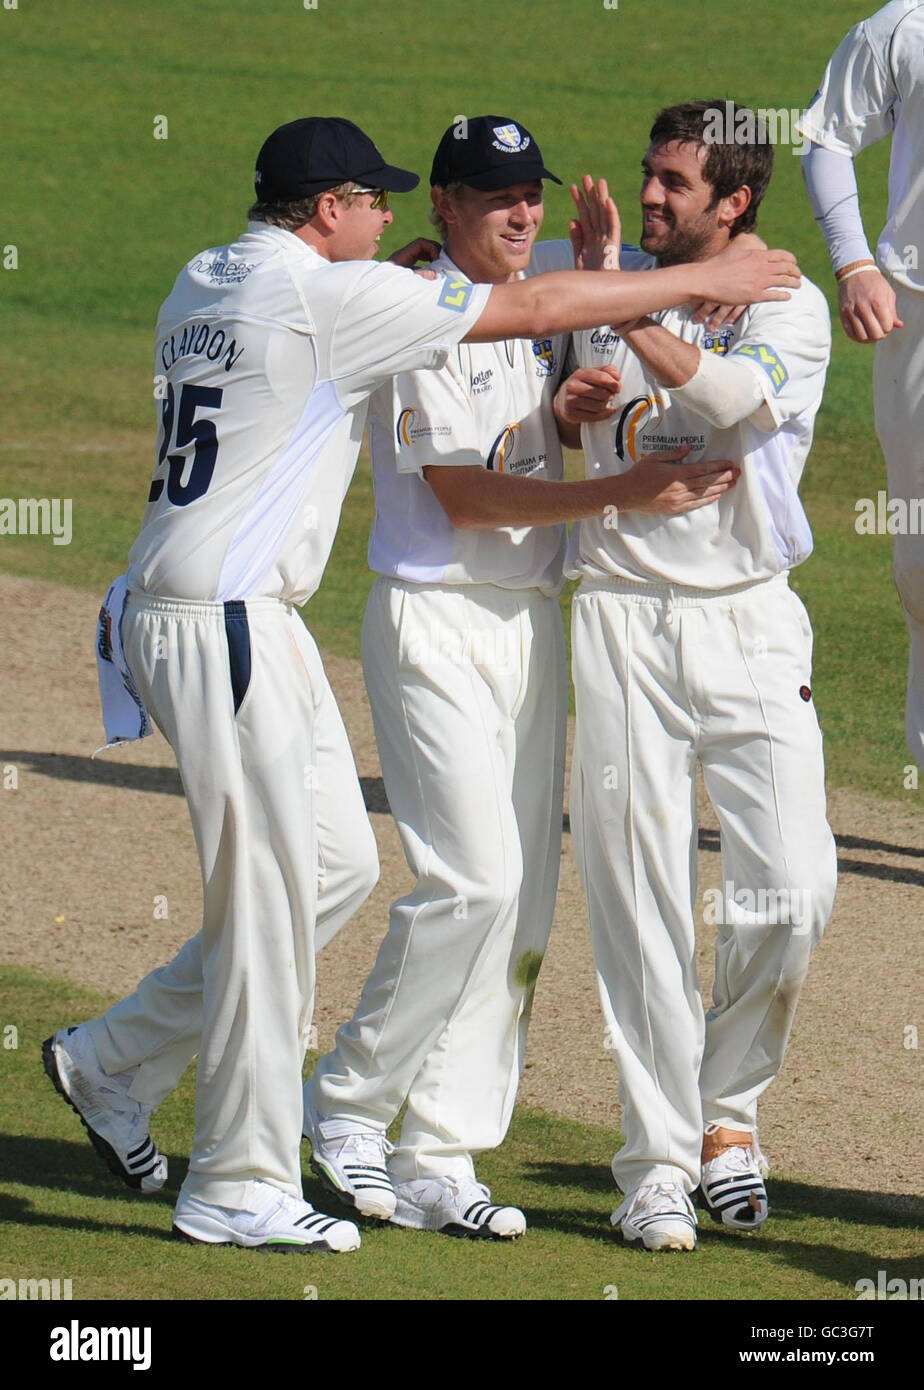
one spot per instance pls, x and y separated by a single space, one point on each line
103 215
65 1216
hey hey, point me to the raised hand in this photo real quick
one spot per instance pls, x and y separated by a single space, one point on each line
596 232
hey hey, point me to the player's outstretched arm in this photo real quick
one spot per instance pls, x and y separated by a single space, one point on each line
569 300
475 499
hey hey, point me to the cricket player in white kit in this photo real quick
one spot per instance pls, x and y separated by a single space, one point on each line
688 644
270 348
464 661
874 87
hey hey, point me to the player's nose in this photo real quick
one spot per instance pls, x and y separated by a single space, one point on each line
652 193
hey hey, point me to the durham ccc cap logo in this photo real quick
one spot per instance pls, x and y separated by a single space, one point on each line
510 139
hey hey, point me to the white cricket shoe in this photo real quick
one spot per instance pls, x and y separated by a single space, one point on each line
350 1158
732 1183
279 1224
659 1215
458 1208
118 1126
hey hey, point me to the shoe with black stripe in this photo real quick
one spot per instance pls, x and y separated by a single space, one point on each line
277 1224
457 1208
350 1159
732 1182
117 1125
660 1216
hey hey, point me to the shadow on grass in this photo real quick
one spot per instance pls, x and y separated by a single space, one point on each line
19 1211
63 1165
789 1199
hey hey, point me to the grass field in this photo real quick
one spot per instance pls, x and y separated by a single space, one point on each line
102 215
66 1217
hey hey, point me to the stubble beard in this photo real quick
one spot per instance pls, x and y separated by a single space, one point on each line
684 244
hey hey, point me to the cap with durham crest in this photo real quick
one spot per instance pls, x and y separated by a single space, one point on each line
315 153
488 152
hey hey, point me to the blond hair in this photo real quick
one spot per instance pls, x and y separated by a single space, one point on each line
295 214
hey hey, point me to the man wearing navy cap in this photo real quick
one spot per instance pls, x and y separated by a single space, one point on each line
267 351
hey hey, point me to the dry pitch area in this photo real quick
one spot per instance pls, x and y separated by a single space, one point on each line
90 845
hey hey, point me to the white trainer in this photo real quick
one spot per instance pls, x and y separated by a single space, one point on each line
732 1182
457 1208
350 1159
659 1215
118 1126
279 1224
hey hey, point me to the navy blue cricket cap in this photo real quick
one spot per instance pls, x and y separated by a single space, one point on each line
319 152
488 152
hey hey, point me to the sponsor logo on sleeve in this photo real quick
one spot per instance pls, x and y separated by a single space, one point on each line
408 431
455 294
767 360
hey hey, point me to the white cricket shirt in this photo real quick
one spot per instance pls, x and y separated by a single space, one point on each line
873 87
489 407
266 354
758 527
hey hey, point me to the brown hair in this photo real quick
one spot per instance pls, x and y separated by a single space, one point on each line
730 163
296 214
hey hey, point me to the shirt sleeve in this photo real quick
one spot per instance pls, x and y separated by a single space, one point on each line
393 321
433 421
854 107
787 344
831 184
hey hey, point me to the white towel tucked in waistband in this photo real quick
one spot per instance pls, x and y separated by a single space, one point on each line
124 715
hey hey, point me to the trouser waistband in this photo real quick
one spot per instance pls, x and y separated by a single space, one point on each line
678 595
137 599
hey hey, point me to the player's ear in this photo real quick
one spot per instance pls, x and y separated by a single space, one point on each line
328 213
732 207
443 204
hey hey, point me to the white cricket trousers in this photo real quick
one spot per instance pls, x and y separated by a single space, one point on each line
468 688
899 397
664 677
239 691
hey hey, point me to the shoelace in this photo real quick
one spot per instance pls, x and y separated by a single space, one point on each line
739 1159
368 1148
470 1191
662 1196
